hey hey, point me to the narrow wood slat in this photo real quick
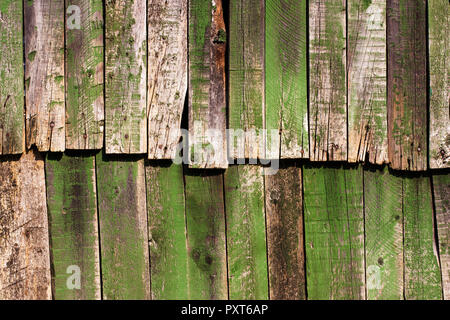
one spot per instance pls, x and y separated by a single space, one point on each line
439 62
441 188
367 72
73 224
407 84
85 113
246 78
11 78
44 74
422 273
207 99
383 198
205 217
126 76
246 233
284 214
334 232
286 91
24 247
327 80
123 227
167 75
167 231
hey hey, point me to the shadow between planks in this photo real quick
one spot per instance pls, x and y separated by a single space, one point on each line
90 226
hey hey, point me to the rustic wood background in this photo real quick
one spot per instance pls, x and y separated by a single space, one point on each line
93 95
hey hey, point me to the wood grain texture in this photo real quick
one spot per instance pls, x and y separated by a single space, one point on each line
123 228
205 217
207 98
327 80
126 76
286 93
422 273
44 74
246 233
167 231
383 205
285 234
24 246
334 232
439 62
73 224
246 78
367 74
85 112
407 84
441 190
167 75
11 78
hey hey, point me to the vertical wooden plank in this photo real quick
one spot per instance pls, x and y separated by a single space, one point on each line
246 233
334 232
167 231
441 188
207 99
85 114
73 224
383 197
167 75
286 75
246 77
367 71
407 84
422 274
285 236
439 62
126 76
327 79
24 246
11 78
205 217
44 74
123 227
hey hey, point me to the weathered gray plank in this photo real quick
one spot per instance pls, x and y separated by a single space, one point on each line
367 72
44 74
167 75
24 242
327 80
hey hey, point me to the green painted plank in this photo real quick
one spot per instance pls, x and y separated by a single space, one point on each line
246 233
286 76
334 232
439 62
123 227
73 225
11 77
125 76
407 84
205 217
383 234
246 77
44 74
285 233
367 71
167 231
441 189
422 273
85 114
327 80
207 98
